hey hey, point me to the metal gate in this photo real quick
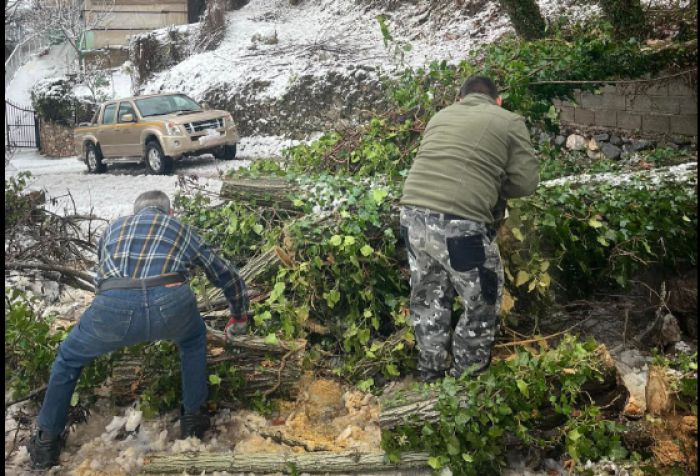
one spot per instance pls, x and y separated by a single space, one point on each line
21 127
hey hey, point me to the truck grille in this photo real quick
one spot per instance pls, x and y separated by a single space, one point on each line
199 126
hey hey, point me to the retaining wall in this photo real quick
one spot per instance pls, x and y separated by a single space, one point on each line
658 107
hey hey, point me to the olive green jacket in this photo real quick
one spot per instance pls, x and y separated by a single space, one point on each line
472 153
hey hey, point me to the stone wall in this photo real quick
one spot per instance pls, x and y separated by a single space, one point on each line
56 139
664 107
312 103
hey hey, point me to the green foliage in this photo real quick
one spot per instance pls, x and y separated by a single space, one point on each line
526 18
475 412
17 204
584 53
627 18
598 235
31 345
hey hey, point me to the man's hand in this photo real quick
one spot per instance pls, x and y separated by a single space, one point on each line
236 326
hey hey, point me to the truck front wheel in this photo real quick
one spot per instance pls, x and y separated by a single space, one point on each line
93 159
156 162
225 152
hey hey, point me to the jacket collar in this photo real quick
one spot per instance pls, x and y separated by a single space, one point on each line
475 99
150 210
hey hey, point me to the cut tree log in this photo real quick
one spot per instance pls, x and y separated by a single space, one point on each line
253 269
262 463
419 406
266 368
266 192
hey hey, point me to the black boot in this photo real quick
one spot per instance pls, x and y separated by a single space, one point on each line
44 450
429 376
194 424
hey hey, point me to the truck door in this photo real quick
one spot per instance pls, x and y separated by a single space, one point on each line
129 132
108 131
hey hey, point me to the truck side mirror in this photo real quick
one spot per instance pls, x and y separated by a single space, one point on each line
127 118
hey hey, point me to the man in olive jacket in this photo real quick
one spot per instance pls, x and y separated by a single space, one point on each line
474 155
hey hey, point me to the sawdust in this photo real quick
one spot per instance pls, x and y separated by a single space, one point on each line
675 441
326 416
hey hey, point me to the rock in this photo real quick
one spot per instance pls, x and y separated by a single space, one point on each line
593 145
641 144
670 330
680 140
575 142
681 348
615 140
633 370
559 141
610 151
657 391
593 155
544 138
601 137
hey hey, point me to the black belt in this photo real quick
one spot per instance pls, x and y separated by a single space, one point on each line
132 283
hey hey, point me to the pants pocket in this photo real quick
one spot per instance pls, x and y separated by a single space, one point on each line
466 252
111 324
403 233
178 309
489 285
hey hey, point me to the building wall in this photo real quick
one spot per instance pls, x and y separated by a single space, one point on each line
658 107
128 17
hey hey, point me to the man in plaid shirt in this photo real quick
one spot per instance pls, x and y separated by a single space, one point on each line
142 295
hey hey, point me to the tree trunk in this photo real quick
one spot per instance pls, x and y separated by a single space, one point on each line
266 368
263 192
418 407
526 18
253 269
314 463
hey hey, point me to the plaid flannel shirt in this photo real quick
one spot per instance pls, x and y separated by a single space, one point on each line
152 243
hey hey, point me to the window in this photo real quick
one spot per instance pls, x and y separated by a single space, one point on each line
168 104
125 108
108 114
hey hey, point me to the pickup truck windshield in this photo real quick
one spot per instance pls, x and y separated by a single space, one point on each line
160 105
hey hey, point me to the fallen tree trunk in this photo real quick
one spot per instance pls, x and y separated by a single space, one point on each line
420 406
313 463
257 266
266 368
263 192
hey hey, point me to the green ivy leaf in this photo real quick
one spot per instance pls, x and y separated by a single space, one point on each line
335 240
366 250
271 339
378 195
573 435
214 379
593 223
522 386
74 399
521 278
517 234
349 240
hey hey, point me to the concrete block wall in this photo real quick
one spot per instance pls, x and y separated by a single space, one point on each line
56 139
664 107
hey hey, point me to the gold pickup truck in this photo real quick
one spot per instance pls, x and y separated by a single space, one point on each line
156 129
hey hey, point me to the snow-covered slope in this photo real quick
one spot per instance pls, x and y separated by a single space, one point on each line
321 35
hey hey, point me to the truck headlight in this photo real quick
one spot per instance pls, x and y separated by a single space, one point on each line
172 129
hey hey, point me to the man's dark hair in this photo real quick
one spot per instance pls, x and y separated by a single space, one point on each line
479 84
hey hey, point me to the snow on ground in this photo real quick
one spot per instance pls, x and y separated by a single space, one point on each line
112 194
686 172
322 35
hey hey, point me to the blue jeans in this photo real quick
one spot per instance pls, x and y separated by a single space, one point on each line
122 317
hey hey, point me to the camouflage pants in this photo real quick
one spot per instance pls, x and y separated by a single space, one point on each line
447 256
